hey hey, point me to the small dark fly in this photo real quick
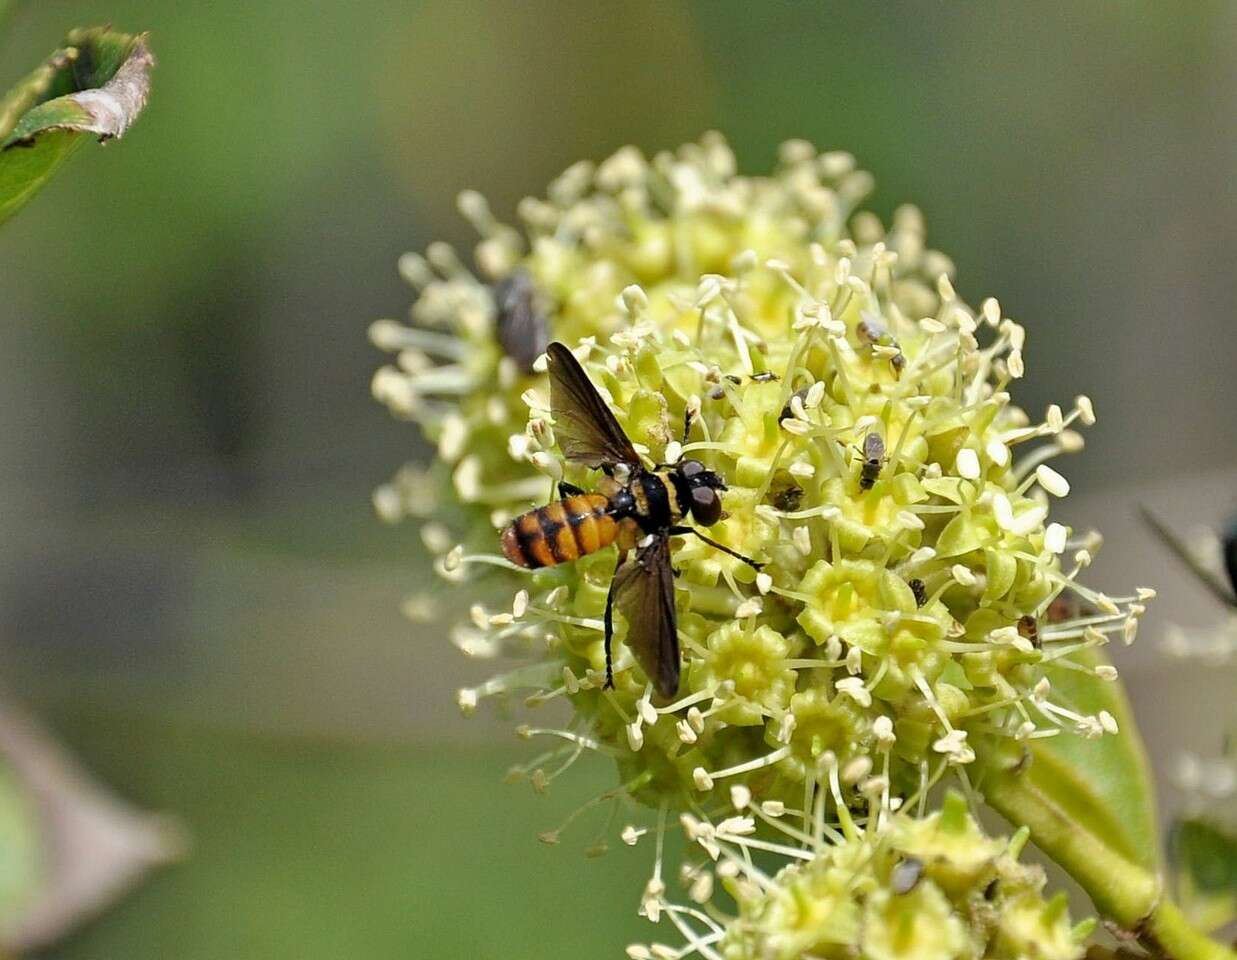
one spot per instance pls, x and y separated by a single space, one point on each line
633 507
1028 629
521 323
873 459
787 497
1069 605
719 390
787 410
919 590
874 334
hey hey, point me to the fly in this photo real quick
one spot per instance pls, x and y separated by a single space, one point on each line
919 590
639 514
1028 629
873 459
521 324
874 334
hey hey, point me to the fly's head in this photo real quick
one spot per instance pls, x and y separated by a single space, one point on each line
704 499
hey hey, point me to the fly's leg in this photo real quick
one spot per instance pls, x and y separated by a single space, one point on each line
687 425
684 531
566 490
609 622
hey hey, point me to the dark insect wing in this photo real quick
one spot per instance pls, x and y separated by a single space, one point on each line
522 328
586 429
644 594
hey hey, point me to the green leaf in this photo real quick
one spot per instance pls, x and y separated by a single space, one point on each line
1090 807
1105 783
20 857
94 86
1204 861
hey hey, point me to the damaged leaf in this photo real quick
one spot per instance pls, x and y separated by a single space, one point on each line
95 86
68 848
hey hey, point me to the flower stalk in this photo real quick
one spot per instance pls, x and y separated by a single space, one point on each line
1125 892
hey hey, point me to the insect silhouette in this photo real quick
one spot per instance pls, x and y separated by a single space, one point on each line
873 454
1028 629
873 333
633 507
521 324
919 589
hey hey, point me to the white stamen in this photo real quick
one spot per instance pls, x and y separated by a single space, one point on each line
748 608
967 464
853 687
1051 481
964 575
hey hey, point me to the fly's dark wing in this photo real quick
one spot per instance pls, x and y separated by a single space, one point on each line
522 328
644 594
585 428
1208 577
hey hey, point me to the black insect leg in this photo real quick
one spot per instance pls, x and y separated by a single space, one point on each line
566 490
609 622
683 531
687 424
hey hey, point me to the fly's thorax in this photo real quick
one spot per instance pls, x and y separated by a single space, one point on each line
654 498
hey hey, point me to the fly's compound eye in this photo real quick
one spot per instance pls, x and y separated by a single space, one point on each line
691 468
706 506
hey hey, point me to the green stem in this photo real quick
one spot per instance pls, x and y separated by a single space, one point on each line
1126 893
1168 929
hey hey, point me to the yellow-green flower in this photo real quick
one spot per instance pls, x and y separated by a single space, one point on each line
898 889
899 622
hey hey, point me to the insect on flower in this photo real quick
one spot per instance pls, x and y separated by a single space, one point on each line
639 512
1028 629
919 589
872 332
873 459
521 324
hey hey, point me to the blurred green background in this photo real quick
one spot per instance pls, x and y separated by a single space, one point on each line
193 590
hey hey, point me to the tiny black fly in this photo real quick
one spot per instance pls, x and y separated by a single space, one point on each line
521 323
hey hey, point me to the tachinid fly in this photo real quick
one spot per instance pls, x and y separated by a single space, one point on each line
639 513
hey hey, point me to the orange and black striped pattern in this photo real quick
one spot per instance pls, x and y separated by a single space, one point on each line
560 532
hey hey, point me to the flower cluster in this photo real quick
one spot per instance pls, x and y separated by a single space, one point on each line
932 888
859 412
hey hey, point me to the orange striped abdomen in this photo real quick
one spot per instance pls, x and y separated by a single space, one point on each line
560 532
